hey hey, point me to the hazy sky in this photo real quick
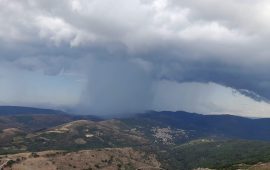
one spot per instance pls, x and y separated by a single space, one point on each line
119 56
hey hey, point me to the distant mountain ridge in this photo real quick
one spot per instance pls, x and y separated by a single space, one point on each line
227 126
30 118
17 110
220 126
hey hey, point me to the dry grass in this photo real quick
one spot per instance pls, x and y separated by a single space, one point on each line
261 166
109 159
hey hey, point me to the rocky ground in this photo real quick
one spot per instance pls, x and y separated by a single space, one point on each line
109 159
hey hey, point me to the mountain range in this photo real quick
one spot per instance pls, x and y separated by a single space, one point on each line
152 140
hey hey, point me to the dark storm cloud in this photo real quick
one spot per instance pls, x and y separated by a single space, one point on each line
141 42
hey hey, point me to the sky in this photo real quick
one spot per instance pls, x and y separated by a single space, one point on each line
116 56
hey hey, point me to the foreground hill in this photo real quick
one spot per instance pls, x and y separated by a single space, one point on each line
106 159
84 134
215 154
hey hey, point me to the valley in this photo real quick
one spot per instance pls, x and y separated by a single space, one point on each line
154 140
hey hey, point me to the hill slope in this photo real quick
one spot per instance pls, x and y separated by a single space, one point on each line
109 159
31 119
222 126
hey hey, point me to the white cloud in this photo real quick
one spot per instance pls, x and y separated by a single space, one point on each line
212 32
55 29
